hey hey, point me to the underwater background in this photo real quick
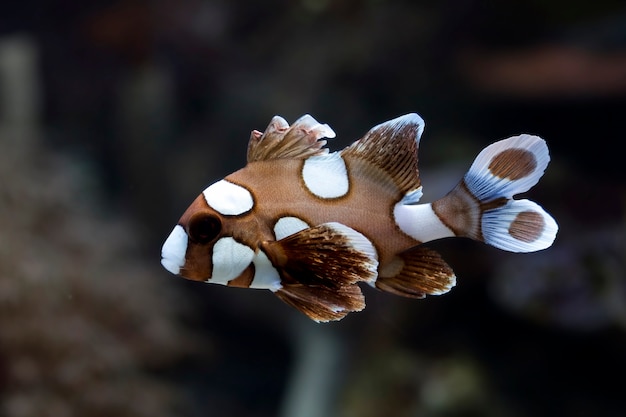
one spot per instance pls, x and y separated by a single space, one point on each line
114 115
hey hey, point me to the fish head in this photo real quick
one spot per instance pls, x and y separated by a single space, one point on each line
210 242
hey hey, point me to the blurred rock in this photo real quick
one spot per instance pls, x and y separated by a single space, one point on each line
85 321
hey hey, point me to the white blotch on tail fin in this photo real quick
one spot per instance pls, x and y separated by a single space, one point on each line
519 226
174 250
508 167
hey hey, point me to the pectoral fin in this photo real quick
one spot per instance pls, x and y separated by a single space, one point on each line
320 268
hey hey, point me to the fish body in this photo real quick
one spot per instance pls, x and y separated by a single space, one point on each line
309 225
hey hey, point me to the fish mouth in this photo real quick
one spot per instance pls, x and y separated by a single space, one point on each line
174 250
171 265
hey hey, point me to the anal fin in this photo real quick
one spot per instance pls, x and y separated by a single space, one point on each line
323 303
415 273
320 268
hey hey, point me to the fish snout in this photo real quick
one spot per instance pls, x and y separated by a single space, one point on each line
174 250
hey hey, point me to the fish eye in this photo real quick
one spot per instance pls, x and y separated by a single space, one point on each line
203 228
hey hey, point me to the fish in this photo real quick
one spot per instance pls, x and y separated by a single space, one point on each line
311 225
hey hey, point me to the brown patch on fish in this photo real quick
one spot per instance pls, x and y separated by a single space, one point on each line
527 226
392 268
245 279
460 211
513 164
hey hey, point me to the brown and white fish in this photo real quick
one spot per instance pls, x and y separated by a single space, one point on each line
310 225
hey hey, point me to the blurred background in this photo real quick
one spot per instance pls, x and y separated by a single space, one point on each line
114 115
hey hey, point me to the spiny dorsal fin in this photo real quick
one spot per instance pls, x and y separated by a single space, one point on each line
281 141
392 146
320 268
416 273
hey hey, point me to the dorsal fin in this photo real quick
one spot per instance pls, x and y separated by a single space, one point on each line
281 141
392 146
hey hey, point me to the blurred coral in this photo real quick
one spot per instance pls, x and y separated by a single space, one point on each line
84 322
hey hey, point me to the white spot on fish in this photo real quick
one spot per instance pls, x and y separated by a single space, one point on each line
326 176
265 275
230 259
420 222
289 225
174 250
412 197
228 199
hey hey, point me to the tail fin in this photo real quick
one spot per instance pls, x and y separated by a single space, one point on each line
482 205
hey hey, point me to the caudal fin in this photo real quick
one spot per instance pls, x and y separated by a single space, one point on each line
482 205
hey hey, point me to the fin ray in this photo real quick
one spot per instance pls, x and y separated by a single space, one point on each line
421 271
482 206
508 167
281 141
321 303
519 226
392 147
320 268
